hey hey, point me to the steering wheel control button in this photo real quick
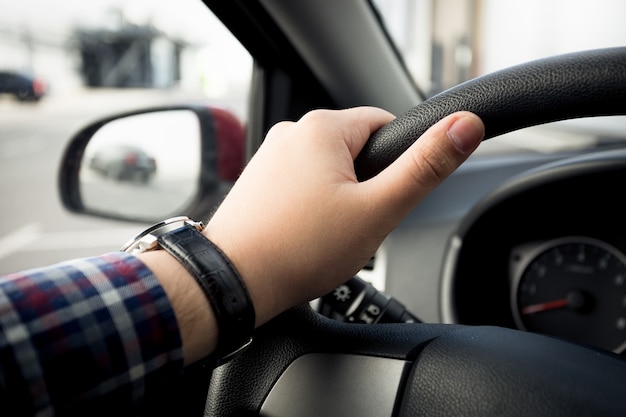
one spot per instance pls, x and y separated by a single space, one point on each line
357 301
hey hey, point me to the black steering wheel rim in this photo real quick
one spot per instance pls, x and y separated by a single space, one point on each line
453 369
582 84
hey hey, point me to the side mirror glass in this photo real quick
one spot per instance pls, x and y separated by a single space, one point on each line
150 165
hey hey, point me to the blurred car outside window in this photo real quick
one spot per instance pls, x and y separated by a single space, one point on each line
22 86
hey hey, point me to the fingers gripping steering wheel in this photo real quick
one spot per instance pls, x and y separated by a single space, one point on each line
304 364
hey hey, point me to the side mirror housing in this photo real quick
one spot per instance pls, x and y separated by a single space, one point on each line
152 164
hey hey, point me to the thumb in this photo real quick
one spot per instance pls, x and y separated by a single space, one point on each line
427 162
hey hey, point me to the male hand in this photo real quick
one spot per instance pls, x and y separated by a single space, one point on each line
297 223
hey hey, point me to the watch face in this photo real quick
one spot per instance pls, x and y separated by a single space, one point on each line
147 240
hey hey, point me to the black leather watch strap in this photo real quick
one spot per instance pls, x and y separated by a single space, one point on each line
221 284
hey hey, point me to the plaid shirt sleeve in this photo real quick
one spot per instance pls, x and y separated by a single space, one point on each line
82 336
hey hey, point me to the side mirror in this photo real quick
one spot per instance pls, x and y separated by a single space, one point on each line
153 164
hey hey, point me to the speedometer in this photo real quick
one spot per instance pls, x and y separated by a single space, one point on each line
573 288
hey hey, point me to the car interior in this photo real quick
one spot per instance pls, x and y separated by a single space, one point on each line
502 294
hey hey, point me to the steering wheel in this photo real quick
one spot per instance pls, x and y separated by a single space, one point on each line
303 364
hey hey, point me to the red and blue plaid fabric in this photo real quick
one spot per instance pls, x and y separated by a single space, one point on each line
83 335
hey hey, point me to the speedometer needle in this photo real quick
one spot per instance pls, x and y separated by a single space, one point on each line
549 305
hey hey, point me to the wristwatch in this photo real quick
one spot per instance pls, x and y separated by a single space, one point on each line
223 287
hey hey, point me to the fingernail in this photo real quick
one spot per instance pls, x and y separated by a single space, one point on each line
466 133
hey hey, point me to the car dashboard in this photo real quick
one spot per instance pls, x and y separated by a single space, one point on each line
524 240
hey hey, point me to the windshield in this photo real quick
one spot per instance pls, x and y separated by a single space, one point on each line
446 42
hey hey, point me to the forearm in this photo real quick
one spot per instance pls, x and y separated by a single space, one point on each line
99 330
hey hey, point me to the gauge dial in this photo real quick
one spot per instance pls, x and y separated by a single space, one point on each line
573 288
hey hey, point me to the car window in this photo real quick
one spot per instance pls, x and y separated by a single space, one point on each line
66 63
446 42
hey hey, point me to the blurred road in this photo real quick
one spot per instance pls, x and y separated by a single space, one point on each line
35 230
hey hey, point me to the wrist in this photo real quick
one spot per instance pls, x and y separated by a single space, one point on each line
194 315
233 315
254 273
